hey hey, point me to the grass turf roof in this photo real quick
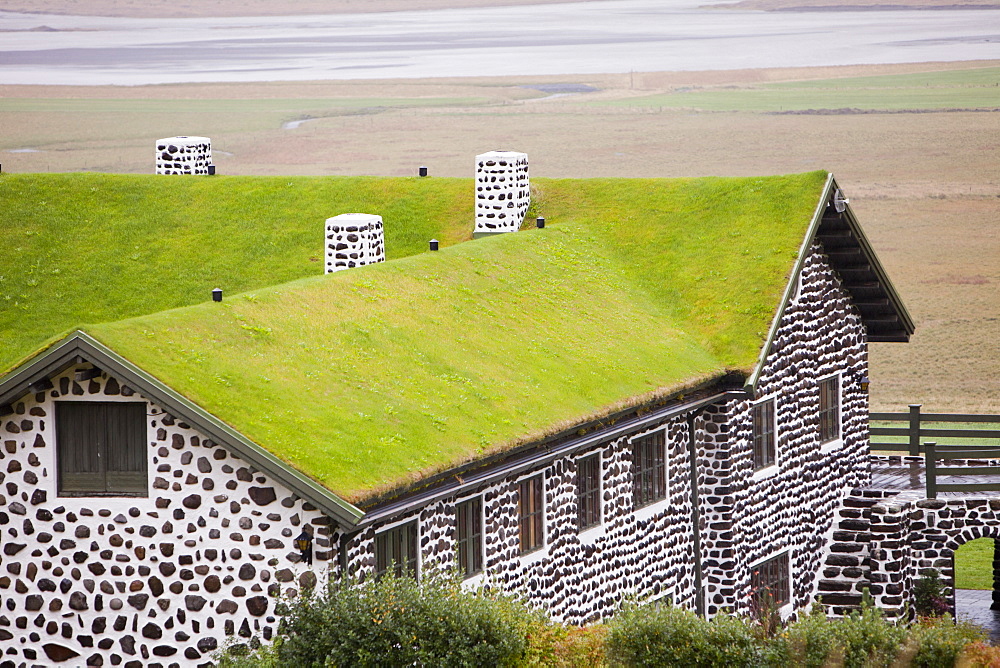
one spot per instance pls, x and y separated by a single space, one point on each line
369 378
85 248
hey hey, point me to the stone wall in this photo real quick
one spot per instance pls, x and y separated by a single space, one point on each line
745 517
578 577
161 579
166 578
886 540
502 191
183 155
354 240
792 505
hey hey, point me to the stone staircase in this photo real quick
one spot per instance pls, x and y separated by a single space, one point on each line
846 572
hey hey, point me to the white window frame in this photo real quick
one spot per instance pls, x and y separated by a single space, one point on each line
392 525
474 580
837 443
591 535
657 600
786 610
541 552
646 513
775 468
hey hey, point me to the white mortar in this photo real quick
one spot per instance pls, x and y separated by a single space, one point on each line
502 191
353 240
183 155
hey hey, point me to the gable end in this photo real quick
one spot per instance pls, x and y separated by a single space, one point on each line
78 347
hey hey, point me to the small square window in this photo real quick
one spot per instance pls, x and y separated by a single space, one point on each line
829 409
764 452
396 550
101 448
469 517
588 491
531 514
649 469
770 583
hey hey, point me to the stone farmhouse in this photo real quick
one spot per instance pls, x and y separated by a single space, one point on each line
661 395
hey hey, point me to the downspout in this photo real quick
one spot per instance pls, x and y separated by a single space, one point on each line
699 599
342 555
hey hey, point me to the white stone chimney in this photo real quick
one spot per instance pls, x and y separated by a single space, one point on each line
353 240
184 155
502 192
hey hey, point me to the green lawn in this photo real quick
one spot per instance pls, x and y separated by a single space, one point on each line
974 565
960 89
637 288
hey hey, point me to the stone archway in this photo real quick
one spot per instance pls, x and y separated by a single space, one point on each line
911 534
979 606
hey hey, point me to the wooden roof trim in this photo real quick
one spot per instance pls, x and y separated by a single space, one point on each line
857 245
79 346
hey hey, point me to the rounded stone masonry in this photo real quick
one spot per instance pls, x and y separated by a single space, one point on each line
133 580
502 191
184 155
354 240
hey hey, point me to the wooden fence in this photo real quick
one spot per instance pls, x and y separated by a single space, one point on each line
915 430
934 453
964 444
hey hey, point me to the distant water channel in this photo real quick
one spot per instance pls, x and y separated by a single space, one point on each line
571 38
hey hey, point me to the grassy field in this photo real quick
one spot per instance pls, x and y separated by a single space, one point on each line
924 185
974 565
966 89
903 440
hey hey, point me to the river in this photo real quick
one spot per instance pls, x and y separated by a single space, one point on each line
571 38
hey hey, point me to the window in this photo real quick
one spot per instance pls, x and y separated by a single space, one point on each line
764 453
588 491
769 583
396 550
829 409
531 512
101 448
469 515
649 469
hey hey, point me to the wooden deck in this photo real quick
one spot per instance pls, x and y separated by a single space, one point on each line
908 474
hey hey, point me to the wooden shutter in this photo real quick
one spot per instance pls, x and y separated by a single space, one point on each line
79 439
125 449
101 447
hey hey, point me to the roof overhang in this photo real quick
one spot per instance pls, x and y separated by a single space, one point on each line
457 483
78 347
851 255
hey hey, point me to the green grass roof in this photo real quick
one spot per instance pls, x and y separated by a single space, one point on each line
372 377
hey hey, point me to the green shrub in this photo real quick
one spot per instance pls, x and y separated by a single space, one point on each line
643 636
980 655
567 646
808 642
939 642
396 621
868 640
928 594
241 655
